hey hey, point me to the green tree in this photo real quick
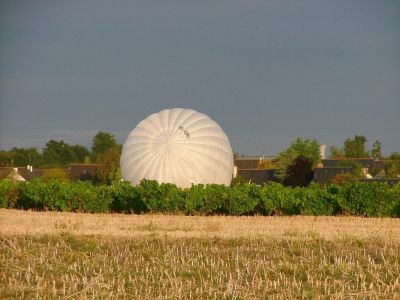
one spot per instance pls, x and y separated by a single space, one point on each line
20 157
109 169
5 158
102 142
392 166
336 152
394 156
80 153
58 154
299 173
308 149
355 148
376 150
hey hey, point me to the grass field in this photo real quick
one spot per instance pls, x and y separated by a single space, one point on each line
64 255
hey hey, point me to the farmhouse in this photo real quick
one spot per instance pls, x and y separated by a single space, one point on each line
254 169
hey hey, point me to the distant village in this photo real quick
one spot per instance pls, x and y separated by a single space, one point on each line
101 164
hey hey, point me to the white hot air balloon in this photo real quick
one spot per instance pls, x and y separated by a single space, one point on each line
180 146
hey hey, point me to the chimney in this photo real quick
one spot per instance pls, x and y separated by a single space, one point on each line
322 149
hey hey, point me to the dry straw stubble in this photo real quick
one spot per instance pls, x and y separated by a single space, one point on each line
51 255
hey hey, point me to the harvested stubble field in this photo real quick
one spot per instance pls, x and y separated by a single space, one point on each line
50 255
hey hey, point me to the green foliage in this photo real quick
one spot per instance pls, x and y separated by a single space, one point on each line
55 154
102 142
43 196
369 199
394 156
336 152
392 169
242 199
54 174
318 201
109 169
206 199
20 157
269 195
376 150
351 198
9 194
355 147
161 198
126 198
299 173
80 152
58 154
308 149
392 166
87 160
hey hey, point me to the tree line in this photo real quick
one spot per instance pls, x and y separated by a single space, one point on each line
59 154
294 165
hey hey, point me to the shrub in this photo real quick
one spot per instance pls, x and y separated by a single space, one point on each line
242 199
368 199
126 198
275 199
9 194
206 199
351 198
84 196
316 200
161 198
396 195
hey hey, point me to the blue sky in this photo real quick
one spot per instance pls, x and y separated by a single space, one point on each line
266 71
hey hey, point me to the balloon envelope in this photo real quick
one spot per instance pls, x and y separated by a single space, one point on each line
180 146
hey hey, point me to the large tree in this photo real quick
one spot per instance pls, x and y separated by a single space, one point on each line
355 148
58 154
305 148
336 152
299 173
376 150
102 142
109 169
80 152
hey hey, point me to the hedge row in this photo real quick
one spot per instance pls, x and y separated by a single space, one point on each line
360 199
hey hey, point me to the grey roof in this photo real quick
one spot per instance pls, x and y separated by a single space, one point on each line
367 162
327 174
